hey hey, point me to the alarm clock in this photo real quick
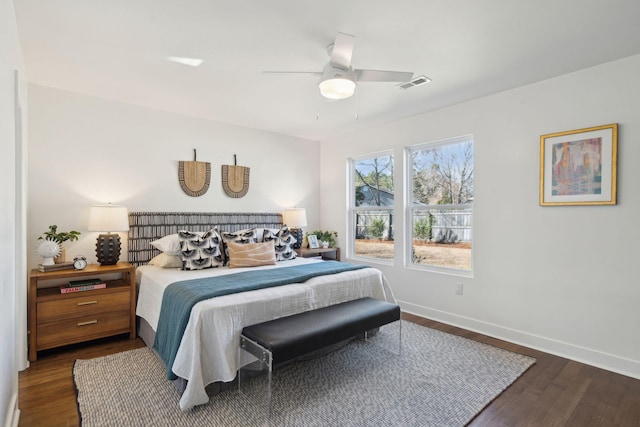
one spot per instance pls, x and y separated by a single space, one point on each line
79 262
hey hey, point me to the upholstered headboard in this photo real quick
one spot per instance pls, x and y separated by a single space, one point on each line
145 227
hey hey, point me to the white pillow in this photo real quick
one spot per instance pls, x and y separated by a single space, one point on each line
169 244
165 260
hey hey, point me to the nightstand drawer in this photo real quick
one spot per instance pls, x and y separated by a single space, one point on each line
72 306
84 328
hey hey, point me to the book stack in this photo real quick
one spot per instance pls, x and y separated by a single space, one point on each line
55 267
82 285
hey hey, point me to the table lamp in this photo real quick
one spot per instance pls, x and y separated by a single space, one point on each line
108 218
295 218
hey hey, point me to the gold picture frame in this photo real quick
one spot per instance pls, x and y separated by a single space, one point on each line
579 167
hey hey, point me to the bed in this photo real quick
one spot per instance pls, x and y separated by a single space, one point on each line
207 353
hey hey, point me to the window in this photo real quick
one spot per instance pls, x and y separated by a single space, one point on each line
371 207
439 212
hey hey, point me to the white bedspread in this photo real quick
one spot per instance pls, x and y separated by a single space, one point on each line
209 348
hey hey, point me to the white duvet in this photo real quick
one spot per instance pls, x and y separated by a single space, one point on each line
209 348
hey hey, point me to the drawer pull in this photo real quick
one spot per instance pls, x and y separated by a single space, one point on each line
90 322
87 302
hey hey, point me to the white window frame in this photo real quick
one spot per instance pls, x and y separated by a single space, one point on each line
409 208
352 209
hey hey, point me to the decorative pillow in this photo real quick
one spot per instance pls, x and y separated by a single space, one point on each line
201 251
241 236
251 254
169 244
165 260
283 243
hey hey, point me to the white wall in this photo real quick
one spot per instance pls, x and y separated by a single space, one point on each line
12 271
561 279
85 150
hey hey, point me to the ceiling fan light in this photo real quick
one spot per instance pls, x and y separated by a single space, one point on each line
337 83
339 88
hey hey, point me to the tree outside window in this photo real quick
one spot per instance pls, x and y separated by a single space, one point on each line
372 206
440 205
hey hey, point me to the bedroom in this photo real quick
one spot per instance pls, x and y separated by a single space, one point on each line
560 279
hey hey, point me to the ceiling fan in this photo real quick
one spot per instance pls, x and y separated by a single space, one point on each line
338 79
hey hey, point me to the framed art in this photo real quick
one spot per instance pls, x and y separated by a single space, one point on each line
313 241
578 167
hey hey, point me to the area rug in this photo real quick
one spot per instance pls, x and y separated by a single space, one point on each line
438 380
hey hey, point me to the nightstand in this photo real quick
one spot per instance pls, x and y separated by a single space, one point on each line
57 319
325 253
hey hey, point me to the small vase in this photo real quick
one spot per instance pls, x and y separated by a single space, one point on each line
62 256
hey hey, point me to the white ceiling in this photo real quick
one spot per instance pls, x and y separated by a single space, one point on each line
116 49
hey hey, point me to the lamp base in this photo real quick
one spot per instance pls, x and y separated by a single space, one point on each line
108 249
297 233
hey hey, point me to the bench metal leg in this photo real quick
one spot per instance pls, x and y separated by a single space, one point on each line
255 372
397 324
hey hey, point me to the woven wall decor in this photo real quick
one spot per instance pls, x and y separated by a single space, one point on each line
194 176
235 179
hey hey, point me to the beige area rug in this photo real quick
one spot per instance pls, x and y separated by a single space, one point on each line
438 380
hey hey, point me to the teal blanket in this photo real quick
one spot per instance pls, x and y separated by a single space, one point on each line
180 297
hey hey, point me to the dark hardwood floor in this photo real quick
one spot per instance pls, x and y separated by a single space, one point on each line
47 395
553 392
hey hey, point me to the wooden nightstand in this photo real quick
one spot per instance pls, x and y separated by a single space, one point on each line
325 253
57 319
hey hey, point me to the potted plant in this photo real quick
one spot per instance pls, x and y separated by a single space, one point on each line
328 237
60 237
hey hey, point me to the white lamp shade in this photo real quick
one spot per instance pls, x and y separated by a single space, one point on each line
108 218
295 217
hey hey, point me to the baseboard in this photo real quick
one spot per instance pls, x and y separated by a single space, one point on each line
13 414
610 362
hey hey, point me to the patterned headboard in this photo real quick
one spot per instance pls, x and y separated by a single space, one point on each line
145 227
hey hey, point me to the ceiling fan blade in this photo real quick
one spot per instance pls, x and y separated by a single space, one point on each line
382 76
342 50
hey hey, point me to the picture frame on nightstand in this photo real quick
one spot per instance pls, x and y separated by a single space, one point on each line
313 241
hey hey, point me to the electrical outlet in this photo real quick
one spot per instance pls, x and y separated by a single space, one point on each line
459 288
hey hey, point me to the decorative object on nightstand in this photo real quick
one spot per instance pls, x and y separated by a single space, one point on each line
108 218
295 219
60 237
55 267
313 241
328 238
48 250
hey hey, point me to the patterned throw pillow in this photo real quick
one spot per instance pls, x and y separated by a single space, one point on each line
200 251
283 243
251 254
240 236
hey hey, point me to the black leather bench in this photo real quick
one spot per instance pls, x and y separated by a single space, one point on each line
281 340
